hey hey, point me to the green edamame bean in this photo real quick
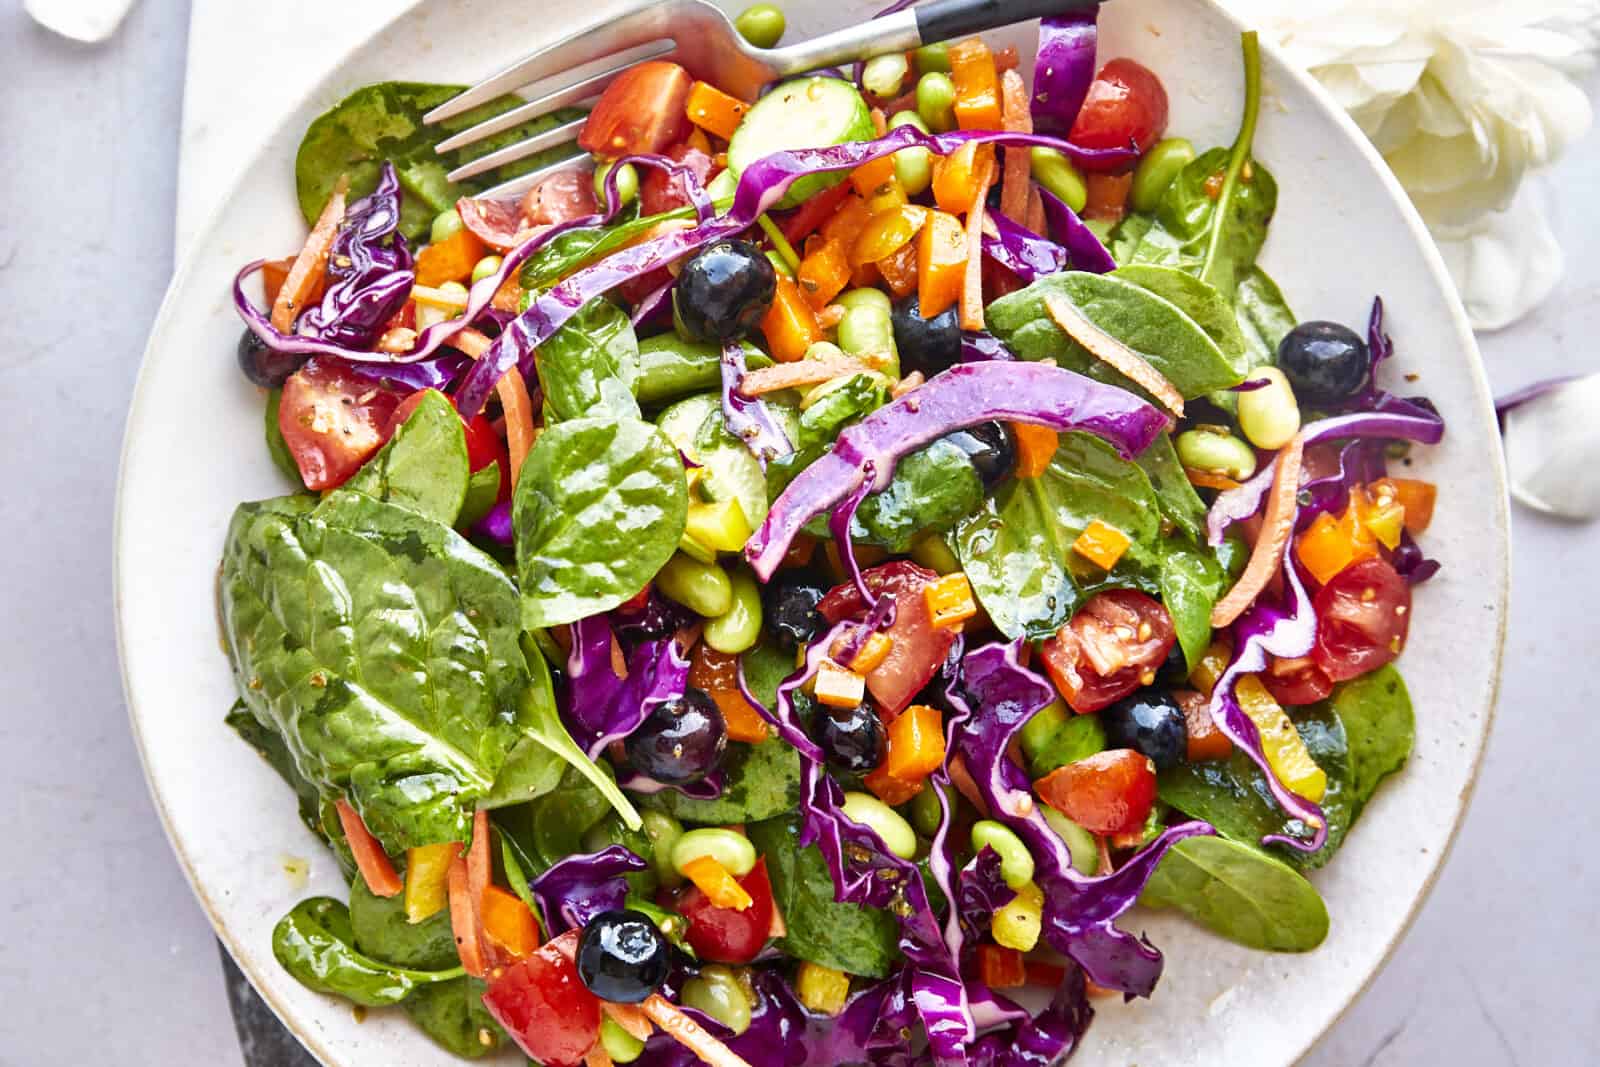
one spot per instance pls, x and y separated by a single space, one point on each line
1208 449
885 76
717 992
1269 416
912 166
867 329
1053 170
1080 842
936 101
738 629
1156 171
664 832
864 298
1016 862
627 183
620 1045
883 820
446 224
734 851
761 24
1233 554
926 814
485 268
933 57
703 588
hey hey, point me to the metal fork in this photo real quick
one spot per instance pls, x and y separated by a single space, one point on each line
701 38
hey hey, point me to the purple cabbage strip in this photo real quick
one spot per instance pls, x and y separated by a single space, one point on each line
1504 405
496 526
435 372
692 187
1361 461
578 888
1023 252
983 347
866 452
1063 70
1068 230
991 1011
762 185
1250 385
1046 1040
656 302
747 418
602 708
370 271
980 892
839 526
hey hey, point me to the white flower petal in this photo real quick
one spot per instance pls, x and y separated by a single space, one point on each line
1506 263
1553 450
81 20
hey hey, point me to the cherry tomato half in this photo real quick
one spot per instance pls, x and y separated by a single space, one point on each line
644 110
545 1007
332 422
1112 646
725 935
660 191
1363 615
919 649
1126 107
1293 682
1107 793
562 197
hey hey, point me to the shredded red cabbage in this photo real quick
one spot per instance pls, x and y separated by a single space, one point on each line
1023 252
983 347
748 418
980 892
578 888
602 708
496 526
370 271
1046 1040
435 372
1068 230
1063 70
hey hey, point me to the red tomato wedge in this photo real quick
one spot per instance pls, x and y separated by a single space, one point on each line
644 110
545 1007
1363 616
332 422
562 197
1294 682
660 191
1126 108
918 650
1106 793
726 935
1112 646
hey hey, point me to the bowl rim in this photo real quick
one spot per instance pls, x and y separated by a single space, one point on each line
1417 230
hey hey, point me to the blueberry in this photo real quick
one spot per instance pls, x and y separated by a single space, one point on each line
991 448
723 292
681 742
1324 361
1149 722
927 345
622 957
263 365
851 738
791 609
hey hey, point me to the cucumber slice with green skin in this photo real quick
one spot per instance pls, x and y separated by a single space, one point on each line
695 426
815 112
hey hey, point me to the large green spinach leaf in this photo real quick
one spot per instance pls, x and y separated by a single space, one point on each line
599 508
1377 717
932 489
384 122
1180 504
1196 299
590 366
1241 893
266 741
424 466
1191 581
380 929
847 937
452 1013
316 944
760 781
1264 317
765 668
551 827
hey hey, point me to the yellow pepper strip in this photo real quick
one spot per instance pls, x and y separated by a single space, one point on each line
822 989
427 873
1280 741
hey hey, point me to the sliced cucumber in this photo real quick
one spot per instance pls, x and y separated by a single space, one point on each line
815 112
695 426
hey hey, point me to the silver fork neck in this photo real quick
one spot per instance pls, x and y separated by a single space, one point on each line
892 33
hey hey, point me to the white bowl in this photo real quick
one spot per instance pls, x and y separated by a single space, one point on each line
1344 232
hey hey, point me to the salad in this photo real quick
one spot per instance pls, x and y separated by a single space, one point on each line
781 590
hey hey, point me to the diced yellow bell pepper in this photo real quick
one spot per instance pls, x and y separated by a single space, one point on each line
1205 673
821 989
691 547
1017 924
1286 753
721 526
837 687
427 869
950 600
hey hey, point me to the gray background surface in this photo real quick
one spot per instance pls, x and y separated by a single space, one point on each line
105 956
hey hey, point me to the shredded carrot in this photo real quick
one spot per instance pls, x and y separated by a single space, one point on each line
478 862
906 384
1015 184
1108 349
1035 220
801 372
972 291
311 265
630 1018
962 779
464 922
690 1034
879 123
1106 866
512 390
777 928
1276 526
371 860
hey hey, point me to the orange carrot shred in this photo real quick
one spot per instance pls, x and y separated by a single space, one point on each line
972 291
1035 220
801 372
513 393
1119 356
1276 526
597 1056
371 860
311 265
690 1034
630 1017
1014 185
464 922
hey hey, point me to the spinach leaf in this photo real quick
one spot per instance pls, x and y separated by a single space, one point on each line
932 489
265 740
315 943
380 930
1264 317
1180 504
590 366
483 492
1241 893
277 447
1017 548
847 937
1376 712
551 827
1194 298
765 667
452 1013
847 400
760 781
1191 582
575 248
1127 234
727 468
1158 330
598 510
1079 737
384 121
424 466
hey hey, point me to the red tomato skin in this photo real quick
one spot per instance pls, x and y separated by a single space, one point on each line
1126 107
1363 617
724 935
1107 629
546 1008
1107 793
562 197
642 111
332 422
660 191
1296 682
918 651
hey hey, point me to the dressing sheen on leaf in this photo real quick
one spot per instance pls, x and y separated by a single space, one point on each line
424 466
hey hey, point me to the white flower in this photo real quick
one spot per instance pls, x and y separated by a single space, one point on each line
1553 448
82 20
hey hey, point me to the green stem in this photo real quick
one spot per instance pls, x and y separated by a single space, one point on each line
779 242
1240 154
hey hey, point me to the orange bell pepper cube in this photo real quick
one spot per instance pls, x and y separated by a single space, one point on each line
1000 967
450 260
865 276
915 744
824 272
845 224
891 790
941 263
1107 196
874 177
956 176
814 212
874 650
371 860
950 600
715 111
743 721
977 83
899 271
1101 544
1417 497
1036 446
790 324
1205 740
508 922
719 886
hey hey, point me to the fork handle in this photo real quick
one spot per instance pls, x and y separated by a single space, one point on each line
945 20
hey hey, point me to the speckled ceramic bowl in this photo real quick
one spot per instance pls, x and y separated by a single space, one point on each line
1344 231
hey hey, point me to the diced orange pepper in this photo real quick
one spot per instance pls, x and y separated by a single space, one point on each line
719 886
846 223
865 276
1000 967
1101 544
1417 497
790 324
710 670
838 687
887 232
915 744
743 721
891 790
899 271
508 922
371 860
870 178
949 600
1209 479
977 84
1324 548
941 264
1206 741
1381 515
956 176
713 110
874 650
824 272
1036 446
814 212
450 260
1107 196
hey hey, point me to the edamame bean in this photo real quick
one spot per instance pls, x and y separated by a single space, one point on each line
823 350
627 183
867 329
703 588
664 832
926 814
933 551
1216 451
739 627
486 267
912 166
885 76
1080 842
936 101
1269 416
717 992
867 297
670 367
734 851
1053 170
446 224
761 24
1157 170
1016 862
620 1045
933 57
1017 925
884 821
